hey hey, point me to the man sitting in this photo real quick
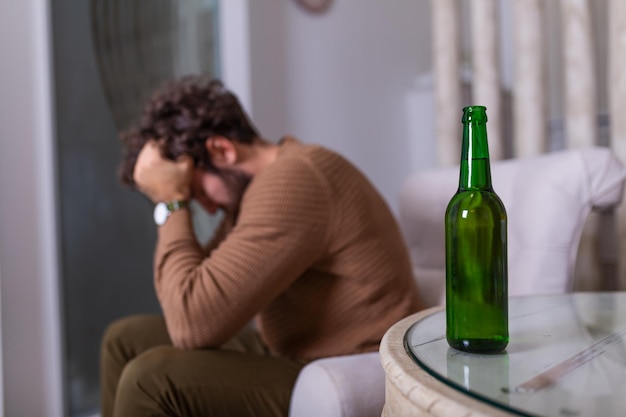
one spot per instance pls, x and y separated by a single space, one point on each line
307 248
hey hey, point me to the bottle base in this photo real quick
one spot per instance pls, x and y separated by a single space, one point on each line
478 345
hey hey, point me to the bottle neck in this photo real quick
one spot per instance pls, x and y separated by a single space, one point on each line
475 166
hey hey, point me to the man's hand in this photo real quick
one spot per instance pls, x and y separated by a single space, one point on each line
161 179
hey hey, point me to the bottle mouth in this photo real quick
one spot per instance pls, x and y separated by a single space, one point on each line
474 114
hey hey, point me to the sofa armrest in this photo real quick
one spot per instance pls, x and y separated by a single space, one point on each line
342 386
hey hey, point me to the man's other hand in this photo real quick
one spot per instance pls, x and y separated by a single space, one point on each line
161 179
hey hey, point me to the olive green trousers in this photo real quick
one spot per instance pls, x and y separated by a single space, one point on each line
142 374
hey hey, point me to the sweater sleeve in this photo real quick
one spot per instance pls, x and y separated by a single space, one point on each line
281 231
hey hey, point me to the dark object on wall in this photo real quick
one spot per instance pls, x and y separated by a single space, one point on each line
315 6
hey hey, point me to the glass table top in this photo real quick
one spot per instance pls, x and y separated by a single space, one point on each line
566 357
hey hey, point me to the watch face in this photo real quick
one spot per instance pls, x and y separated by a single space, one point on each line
161 213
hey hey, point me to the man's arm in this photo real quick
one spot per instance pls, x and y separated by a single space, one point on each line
282 230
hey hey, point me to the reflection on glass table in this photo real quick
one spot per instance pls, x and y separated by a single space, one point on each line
566 357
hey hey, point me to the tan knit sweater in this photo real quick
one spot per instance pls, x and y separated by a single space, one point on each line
315 255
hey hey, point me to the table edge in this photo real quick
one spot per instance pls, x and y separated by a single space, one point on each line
420 388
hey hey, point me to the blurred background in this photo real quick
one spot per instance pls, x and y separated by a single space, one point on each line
76 247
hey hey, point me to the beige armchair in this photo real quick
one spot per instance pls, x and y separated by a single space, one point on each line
547 198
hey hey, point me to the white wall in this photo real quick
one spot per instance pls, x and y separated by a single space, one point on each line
1 356
234 48
347 80
31 369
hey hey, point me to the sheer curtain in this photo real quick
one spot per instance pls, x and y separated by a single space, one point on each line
551 75
139 45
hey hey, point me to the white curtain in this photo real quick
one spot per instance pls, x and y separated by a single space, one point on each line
617 108
544 77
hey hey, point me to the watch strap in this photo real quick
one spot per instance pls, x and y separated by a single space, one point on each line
176 205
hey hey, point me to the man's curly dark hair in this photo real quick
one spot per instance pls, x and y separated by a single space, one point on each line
181 116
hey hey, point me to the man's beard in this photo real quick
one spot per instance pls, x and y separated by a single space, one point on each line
236 183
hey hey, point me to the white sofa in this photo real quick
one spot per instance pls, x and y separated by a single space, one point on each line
547 198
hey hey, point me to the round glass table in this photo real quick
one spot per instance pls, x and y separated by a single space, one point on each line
566 357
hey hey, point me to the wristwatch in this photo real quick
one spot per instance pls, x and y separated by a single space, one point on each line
163 210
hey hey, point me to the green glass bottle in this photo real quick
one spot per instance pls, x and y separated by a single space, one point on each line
476 249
